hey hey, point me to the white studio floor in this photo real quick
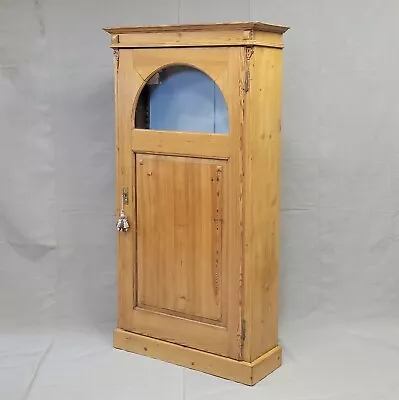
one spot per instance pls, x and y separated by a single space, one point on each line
324 362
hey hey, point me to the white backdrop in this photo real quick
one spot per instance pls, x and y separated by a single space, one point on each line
339 314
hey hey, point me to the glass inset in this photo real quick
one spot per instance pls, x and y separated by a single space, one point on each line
182 98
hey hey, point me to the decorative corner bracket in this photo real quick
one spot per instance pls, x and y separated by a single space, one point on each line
250 52
116 58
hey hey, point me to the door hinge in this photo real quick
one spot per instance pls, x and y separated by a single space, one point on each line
243 330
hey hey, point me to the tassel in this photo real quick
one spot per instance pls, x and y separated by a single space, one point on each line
123 224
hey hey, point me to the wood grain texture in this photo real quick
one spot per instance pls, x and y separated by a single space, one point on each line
181 143
256 25
262 201
266 363
239 371
183 330
198 270
232 84
179 244
198 39
218 328
212 61
125 77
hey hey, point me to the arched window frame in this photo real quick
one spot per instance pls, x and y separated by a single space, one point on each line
220 110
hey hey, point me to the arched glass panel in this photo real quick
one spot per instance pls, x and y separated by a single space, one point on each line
182 98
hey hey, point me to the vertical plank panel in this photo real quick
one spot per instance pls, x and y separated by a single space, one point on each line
262 201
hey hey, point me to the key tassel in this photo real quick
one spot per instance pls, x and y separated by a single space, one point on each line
123 224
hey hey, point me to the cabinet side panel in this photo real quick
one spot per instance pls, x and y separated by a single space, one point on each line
262 201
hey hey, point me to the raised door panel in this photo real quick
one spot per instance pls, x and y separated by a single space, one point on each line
179 236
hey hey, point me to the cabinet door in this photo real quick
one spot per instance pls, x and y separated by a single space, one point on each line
179 121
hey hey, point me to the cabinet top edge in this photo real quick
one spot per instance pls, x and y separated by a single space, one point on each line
255 26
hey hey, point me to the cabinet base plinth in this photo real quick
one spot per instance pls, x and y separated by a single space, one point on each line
244 372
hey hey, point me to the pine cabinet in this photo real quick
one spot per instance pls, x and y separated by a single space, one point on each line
198 143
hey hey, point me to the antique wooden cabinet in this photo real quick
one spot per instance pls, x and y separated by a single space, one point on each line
198 141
